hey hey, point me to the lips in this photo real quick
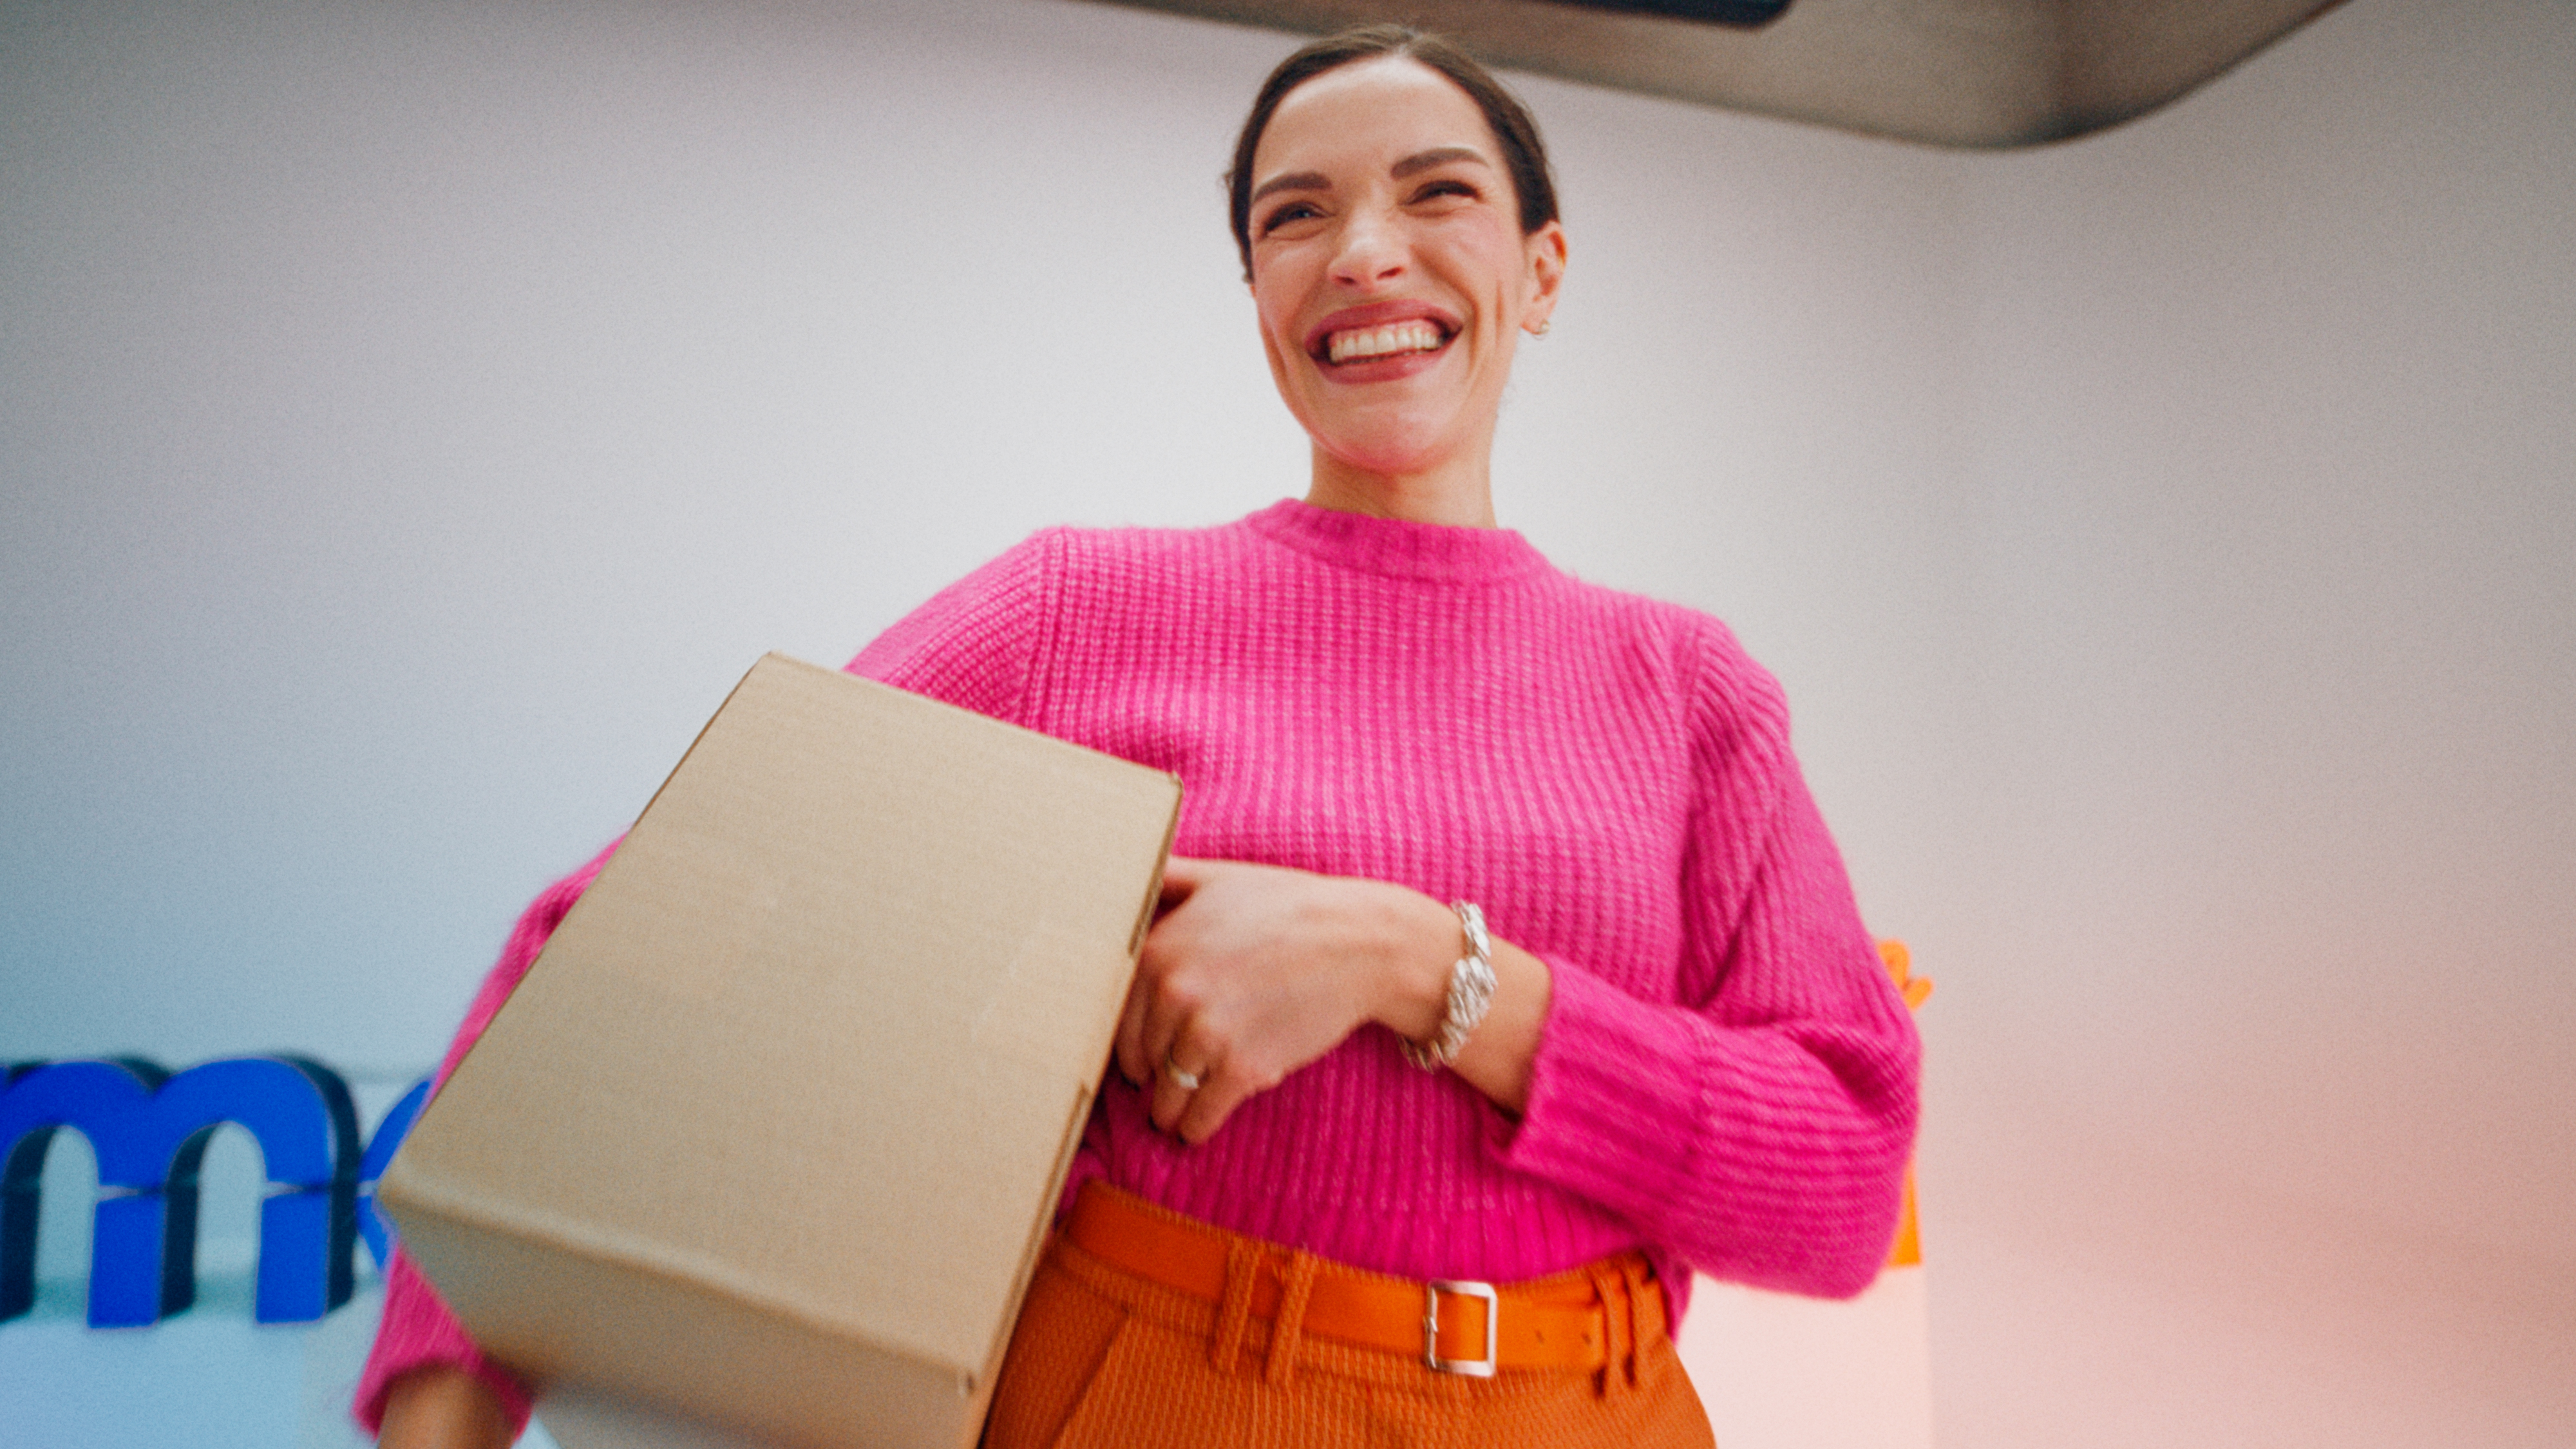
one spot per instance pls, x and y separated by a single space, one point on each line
1380 332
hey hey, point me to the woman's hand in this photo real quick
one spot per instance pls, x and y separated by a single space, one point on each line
443 1408
1253 971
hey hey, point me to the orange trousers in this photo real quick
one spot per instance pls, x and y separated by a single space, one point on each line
1105 1359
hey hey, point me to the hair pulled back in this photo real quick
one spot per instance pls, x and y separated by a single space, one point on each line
1524 154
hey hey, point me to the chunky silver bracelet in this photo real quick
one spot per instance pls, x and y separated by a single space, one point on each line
1471 992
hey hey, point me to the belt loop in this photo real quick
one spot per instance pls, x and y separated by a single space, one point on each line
1287 1331
1618 1329
1634 1281
1242 1267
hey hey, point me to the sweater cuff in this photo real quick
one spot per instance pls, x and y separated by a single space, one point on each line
420 1332
1608 1067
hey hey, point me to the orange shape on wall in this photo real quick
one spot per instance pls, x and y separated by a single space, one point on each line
1908 1249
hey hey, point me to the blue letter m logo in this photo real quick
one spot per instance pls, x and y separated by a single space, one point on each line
149 1131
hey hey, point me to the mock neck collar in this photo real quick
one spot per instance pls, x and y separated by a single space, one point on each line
1398 548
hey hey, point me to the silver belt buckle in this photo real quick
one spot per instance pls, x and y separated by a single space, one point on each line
1473 1368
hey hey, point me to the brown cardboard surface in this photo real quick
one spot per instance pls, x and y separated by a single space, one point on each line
772 1128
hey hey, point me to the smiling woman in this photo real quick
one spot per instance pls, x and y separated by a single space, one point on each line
1504 973
1395 268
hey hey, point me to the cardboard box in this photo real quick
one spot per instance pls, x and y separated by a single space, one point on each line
764 1147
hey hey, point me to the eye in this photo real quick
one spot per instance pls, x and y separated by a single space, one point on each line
1447 186
1288 214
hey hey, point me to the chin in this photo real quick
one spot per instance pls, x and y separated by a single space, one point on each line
1392 458
1395 444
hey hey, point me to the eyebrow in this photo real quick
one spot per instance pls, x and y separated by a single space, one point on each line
1293 181
1438 156
1417 162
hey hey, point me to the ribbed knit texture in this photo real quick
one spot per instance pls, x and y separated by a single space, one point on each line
1726 1077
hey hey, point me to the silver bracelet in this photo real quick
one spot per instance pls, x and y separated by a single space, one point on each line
1471 992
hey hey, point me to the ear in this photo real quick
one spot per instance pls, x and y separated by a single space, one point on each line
1545 249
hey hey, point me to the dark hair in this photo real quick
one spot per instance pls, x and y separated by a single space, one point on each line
1524 154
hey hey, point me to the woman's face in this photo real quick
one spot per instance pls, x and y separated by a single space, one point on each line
1389 267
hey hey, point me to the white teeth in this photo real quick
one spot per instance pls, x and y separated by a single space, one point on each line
1394 337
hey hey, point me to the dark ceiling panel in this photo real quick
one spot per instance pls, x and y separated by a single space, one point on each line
1715 12
1947 72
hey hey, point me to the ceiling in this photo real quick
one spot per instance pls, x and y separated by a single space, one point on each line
1971 73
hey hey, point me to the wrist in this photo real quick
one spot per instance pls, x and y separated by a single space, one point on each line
1417 946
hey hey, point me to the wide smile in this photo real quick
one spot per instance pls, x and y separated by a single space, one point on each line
1367 344
1359 338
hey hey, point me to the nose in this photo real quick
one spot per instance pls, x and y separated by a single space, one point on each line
1372 250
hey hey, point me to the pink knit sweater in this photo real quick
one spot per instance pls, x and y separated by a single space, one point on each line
1725 1079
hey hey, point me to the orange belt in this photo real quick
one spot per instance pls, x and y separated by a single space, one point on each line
1457 1327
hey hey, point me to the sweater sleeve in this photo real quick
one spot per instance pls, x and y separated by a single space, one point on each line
418 1330
1758 1123
977 643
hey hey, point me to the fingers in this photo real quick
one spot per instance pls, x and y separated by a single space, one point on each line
1171 1096
1138 1056
1133 1063
1162 1047
1195 1113
1212 1103
1147 1022
1221 993
1194 1080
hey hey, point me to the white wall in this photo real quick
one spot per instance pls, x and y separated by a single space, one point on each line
2252 1124
414 416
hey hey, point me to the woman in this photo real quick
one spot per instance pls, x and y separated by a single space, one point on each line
1502 943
